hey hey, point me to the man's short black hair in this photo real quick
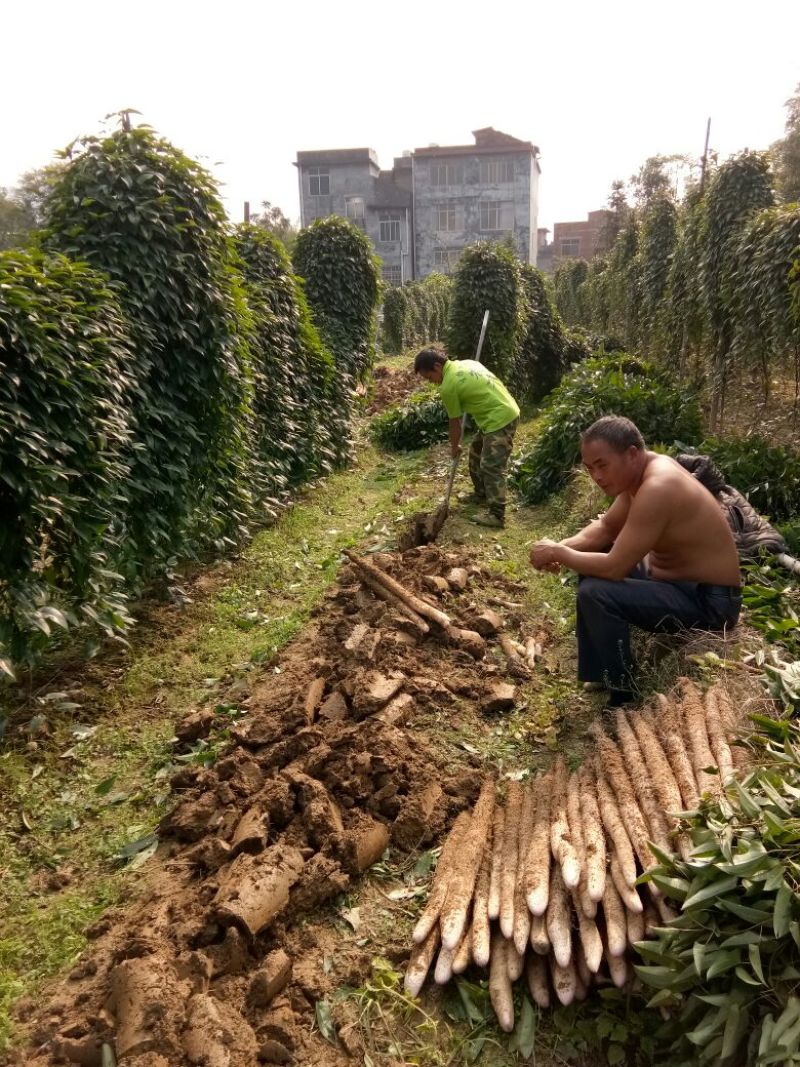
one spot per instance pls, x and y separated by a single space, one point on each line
429 359
617 431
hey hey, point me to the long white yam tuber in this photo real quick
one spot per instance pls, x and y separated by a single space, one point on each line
481 933
591 943
444 965
463 954
618 969
515 961
500 992
561 843
695 729
730 723
629 809
615 829
539 987
462 881
594 841
642 782
614 914
583 901
497 862
540 942
559 918
635 924
420 961
565 981
664 781
522 917
581 966
508 875
439 885
537 862
627 893
668 724
716 736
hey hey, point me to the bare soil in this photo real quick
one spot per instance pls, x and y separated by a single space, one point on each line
229 948
390 387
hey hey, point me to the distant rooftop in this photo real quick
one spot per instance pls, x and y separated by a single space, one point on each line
337 155
487 140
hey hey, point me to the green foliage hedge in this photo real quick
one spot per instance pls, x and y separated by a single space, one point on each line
163 383
526 341
487 276
340 271
293 373
726 970
416 423
768 475
416 313
621 385
142 212
67 386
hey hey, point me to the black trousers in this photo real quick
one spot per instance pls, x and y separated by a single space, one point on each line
608 609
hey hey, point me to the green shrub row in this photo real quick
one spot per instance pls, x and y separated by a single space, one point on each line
725 972
768 475
163 383
611 385
415 313
416 423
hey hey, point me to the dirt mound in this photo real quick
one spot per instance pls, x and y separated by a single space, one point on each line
324 772
391 387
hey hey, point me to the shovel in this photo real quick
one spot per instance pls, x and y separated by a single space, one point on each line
436 520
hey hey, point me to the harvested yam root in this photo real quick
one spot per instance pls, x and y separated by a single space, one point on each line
546 889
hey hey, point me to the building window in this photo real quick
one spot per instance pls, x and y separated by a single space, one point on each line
355 209
447 217
390 230
392 275
447 173
319 179
570 246
445 259
497 170
497 215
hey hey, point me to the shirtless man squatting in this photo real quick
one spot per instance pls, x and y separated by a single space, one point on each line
662 557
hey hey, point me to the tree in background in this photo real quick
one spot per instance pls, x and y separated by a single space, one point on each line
619 208
786 153
22 207
273 220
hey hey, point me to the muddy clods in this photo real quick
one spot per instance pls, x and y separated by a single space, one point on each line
327 768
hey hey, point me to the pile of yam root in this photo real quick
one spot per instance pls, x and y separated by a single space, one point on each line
544 884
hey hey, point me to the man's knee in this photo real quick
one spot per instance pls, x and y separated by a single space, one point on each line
593 592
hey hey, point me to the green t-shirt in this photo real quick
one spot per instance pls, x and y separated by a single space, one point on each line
467 386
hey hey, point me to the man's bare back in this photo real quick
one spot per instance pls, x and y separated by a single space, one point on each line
695 544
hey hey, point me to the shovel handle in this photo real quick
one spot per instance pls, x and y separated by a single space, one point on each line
454 464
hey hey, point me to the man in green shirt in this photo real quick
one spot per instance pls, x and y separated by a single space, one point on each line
467 387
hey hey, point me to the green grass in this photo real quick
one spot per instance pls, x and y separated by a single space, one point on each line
69 804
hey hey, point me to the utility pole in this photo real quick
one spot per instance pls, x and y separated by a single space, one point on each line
705 158
247 211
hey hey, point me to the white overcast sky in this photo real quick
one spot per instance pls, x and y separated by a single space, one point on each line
243 85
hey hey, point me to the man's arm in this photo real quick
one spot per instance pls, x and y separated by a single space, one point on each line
601 534
454 429
598 536
647 518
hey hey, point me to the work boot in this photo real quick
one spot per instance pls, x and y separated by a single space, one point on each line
594 687
472 498
488 518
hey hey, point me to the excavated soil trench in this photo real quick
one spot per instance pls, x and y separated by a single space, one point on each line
221 961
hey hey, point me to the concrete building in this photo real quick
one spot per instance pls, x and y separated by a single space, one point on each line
433 203
350 183
580 240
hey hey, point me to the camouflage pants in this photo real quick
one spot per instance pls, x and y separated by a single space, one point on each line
489 454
